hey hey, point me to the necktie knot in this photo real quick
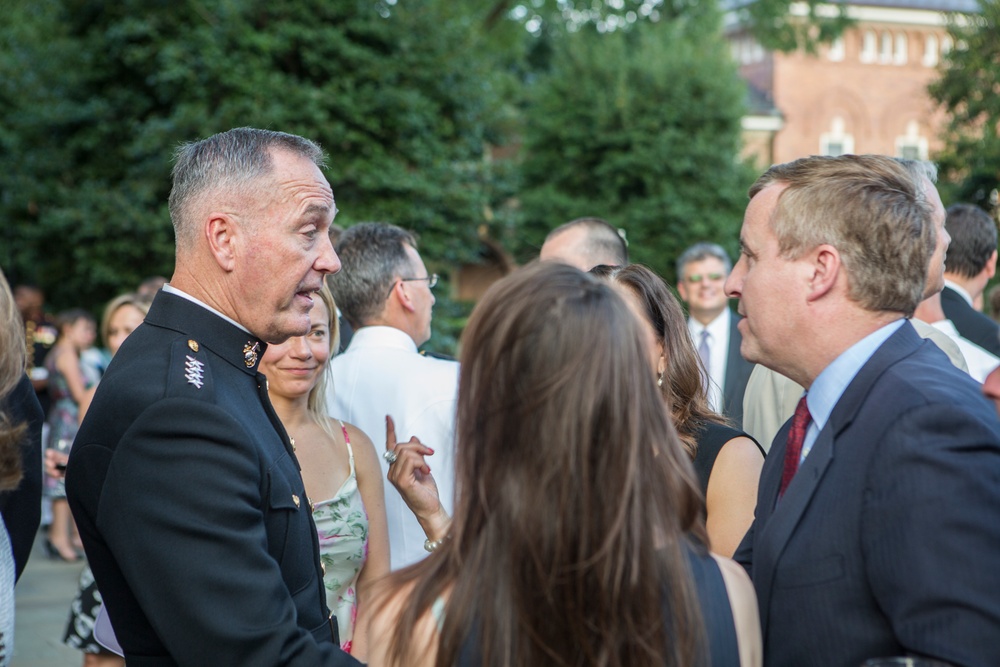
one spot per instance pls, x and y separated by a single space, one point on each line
793 450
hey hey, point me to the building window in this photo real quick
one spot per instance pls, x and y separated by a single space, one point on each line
836 53
868 47
885 48
902 49
946 45
931 51
912 145
836 141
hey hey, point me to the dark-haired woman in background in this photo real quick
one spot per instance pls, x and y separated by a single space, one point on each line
576 536
727 461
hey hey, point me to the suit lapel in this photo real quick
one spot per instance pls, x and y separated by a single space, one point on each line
782 517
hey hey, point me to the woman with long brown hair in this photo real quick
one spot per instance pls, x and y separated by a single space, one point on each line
20 454
575 539
727 461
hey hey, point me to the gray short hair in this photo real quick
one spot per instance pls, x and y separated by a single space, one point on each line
372 255
231 162
700 251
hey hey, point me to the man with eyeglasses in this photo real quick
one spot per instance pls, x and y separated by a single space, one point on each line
384 292
702 270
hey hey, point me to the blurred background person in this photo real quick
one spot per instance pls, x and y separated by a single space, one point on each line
68 383
340 469
969 265
727 461
576 537
702 270
386 292
150 286
586 243
41 332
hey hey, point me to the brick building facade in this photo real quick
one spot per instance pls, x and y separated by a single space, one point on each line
864 93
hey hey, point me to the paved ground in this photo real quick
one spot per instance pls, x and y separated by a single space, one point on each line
42 599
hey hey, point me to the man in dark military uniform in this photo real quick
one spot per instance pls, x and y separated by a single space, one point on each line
182 480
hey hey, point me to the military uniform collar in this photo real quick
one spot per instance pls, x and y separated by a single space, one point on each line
206 327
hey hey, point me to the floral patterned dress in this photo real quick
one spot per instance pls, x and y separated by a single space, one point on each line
63 417
342 524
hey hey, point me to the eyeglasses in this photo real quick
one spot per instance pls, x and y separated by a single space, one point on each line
697 277
432 280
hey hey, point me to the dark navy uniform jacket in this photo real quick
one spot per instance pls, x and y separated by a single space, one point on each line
191 506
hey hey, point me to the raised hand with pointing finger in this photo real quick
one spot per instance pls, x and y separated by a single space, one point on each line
410 474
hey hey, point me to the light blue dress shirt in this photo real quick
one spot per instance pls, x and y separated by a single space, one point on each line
830 385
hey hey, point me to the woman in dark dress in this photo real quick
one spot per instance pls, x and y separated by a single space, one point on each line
576 536
727 461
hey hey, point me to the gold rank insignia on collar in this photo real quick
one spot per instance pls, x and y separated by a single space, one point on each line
250 351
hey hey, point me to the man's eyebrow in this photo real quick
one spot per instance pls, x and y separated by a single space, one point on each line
317 208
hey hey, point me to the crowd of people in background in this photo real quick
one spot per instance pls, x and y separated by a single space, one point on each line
623 473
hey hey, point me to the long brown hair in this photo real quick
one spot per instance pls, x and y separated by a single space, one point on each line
574 494
12 363
682 387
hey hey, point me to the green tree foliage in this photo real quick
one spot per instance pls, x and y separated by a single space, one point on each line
969 91
641 127
777 29
772 21
95 95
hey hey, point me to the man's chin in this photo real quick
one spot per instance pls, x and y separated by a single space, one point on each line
298 326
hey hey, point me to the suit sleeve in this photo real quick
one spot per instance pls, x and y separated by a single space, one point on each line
931 533
183 512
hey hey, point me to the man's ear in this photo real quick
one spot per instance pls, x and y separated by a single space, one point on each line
402 296
223 234
825 268
991 265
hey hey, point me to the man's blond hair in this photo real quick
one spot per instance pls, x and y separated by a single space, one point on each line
871 210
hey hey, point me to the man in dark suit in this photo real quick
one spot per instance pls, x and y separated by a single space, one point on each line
182 480
877 526
701 274
969 265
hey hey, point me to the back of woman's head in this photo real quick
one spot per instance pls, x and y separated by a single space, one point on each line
555 398
573 490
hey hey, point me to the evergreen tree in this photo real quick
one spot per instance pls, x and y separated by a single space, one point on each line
640 127
967 90
95 96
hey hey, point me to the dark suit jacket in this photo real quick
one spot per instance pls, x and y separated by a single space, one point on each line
971 324
738 372
22 507
887 539
190 503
